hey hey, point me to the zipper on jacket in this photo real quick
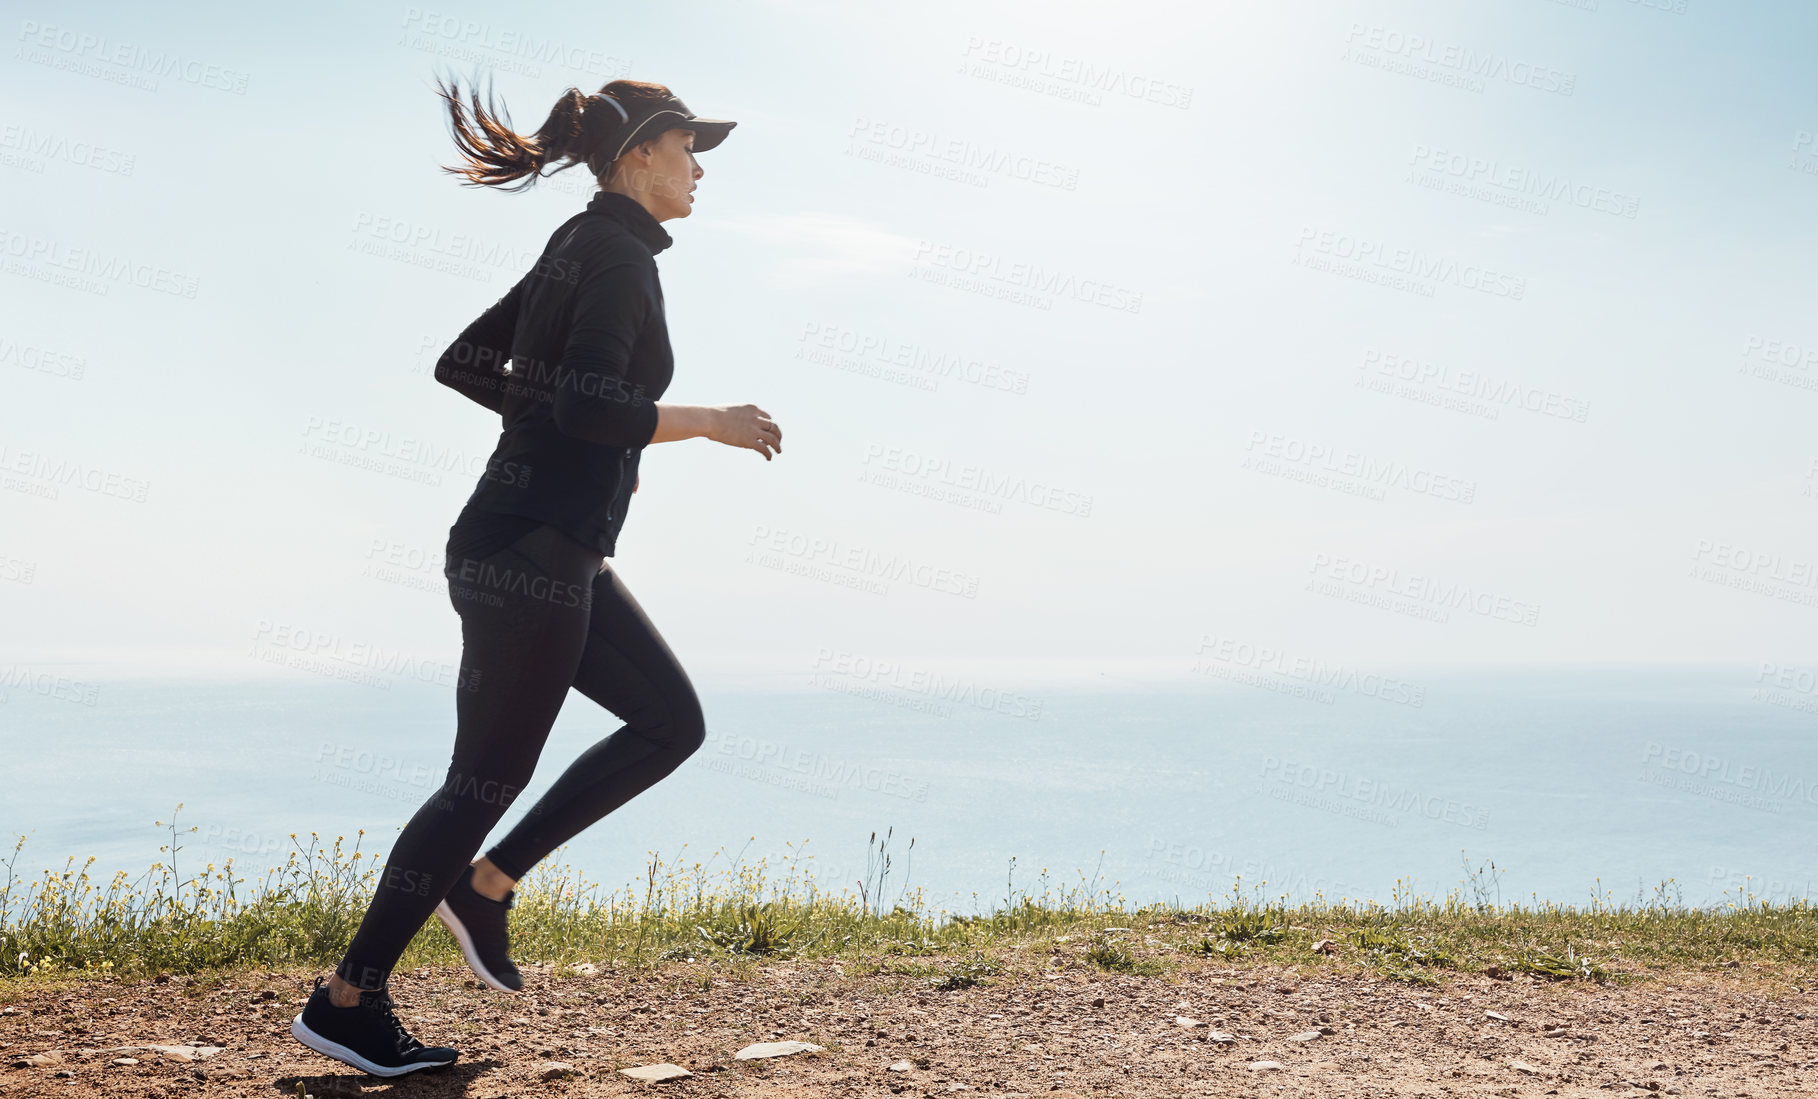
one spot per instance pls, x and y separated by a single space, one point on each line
617 483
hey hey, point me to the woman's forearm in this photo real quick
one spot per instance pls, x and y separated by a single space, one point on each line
684 421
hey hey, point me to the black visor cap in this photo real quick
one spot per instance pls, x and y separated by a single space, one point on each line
673 114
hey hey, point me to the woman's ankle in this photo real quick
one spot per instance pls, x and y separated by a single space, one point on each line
491 882
342 994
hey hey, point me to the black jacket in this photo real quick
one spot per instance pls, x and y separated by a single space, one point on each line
589 357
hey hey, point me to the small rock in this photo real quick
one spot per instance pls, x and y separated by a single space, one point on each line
1185 1020
557 1070
185 1053
1497 1015
1098 1001
1325 946
1554 1032
1220 1037
656 1074
775 1049
588 969
1266 1066
161 979
1523 1066
900 1066
39 1060
1305 1036
1498 973
125 1061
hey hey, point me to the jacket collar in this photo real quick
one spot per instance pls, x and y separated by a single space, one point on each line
630 213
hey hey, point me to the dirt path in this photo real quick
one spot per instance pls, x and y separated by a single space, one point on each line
1076 1033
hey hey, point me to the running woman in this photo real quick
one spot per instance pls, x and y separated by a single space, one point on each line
541 609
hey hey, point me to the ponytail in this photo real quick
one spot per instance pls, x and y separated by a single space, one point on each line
495 154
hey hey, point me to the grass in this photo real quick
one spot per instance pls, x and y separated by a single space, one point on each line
302 914
946 976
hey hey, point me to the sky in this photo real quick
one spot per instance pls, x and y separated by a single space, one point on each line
1105 341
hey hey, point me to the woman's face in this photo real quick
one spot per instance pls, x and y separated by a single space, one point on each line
663 173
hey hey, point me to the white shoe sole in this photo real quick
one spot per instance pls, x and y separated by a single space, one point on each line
459 931
341 1053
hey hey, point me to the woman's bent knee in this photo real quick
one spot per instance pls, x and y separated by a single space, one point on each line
687 726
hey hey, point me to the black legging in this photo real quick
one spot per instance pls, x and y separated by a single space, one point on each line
537 617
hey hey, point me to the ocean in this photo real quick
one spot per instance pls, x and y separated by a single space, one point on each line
1577 785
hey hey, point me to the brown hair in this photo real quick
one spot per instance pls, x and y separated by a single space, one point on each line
574 133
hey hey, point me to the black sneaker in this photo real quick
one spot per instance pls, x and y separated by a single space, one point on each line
478 924
367 1036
